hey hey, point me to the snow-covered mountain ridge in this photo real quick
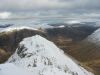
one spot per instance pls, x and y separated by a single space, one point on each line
42 57
11 29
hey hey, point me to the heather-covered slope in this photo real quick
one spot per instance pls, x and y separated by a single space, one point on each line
88 52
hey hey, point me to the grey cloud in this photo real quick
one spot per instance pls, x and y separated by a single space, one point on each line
66 5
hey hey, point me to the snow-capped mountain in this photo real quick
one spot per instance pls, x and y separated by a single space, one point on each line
43 57
95 37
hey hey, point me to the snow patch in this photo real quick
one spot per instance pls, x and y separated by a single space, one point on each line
61 26
10 29
73 22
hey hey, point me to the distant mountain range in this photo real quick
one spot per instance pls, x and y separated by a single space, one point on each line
75 40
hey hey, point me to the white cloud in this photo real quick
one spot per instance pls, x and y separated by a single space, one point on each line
4 15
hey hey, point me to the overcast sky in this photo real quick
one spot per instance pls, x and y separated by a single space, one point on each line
67 5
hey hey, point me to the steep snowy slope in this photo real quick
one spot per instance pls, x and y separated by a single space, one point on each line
95 37
42 57
11 69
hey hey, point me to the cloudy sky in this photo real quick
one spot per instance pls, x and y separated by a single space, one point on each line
67 5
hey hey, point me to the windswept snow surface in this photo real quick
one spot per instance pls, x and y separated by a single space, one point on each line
43 57
11 69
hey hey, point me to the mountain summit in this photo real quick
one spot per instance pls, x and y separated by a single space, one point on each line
43 57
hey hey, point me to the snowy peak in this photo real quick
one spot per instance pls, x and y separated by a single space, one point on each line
44 58
39 45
